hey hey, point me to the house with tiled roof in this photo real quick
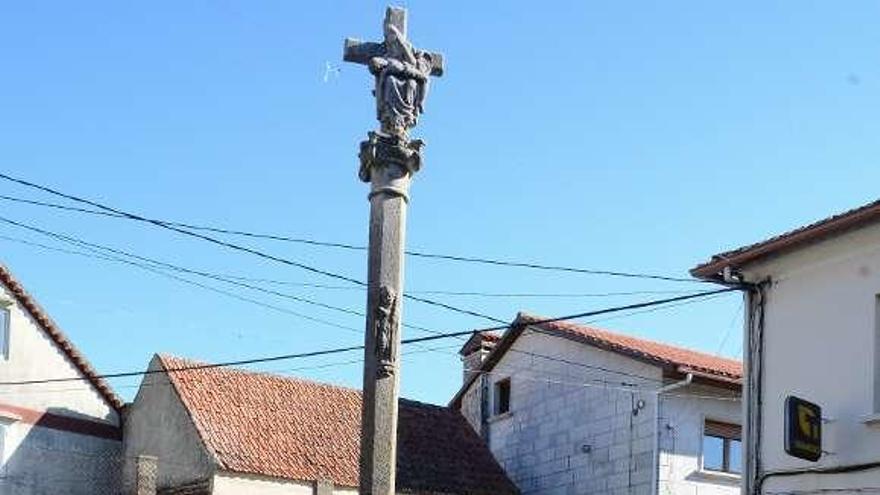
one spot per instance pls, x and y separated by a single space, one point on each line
812 333
53 438
229 431
569 408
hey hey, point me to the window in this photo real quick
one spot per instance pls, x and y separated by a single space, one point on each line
4 333
722 447
502 396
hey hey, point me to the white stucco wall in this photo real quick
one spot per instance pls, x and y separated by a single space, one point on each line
682 415
819 344
226 483
571 428
32 356
38 460
158 425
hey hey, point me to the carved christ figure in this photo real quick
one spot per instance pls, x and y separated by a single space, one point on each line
384 324
402 78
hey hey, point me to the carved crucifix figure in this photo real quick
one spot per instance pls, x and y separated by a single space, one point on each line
389 159
402 77
402 73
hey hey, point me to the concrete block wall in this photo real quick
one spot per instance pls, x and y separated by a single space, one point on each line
576 430
572 430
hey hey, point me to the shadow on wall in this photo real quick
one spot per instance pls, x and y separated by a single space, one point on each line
51 459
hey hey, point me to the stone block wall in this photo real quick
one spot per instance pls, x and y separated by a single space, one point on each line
571 429
585 423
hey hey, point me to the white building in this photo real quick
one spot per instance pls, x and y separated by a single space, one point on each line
223 431
570 409
54 437
813 332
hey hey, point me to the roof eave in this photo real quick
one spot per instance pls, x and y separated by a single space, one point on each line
739 258
48 325
713 379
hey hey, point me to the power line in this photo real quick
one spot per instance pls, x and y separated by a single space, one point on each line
233 246
561 295
338 245
626 307
177 268
439 292
186 281
339 350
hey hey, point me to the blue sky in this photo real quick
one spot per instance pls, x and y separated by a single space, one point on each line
612 135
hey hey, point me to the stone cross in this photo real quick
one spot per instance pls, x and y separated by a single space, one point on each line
388 160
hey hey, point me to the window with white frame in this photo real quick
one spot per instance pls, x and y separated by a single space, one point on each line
722 447
4 332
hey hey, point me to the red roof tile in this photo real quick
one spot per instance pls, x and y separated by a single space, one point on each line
650 350
58 337
709 367
479 339
289 428
787 241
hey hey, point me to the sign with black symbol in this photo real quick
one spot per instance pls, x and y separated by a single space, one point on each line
803 429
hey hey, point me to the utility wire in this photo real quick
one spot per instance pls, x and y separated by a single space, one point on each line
177 268
105 257
535 295
340 245
233 246
339 350
616 309
532 354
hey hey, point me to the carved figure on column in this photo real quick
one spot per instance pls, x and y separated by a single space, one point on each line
385 326
402 80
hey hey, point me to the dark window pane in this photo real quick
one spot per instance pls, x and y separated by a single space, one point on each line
502 396
713 453
735 456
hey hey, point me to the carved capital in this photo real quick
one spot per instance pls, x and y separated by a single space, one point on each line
385 158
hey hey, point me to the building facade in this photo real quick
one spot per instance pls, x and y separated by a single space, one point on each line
54 437
227 431
813 333
572 409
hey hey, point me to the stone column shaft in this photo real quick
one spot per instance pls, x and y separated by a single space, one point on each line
390 173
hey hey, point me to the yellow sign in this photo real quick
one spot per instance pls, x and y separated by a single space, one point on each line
803 429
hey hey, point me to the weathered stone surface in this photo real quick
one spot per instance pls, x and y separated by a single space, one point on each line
388 160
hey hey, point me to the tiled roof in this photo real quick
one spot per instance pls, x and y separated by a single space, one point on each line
710 368
479 339
802 236
284 427
650 350
58 337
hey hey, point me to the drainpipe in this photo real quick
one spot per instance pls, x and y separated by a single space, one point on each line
655 475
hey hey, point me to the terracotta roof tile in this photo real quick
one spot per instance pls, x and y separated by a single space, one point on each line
479 339
290 428
715 369
642 348
58 337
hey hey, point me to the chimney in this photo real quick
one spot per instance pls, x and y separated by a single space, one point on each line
475 351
